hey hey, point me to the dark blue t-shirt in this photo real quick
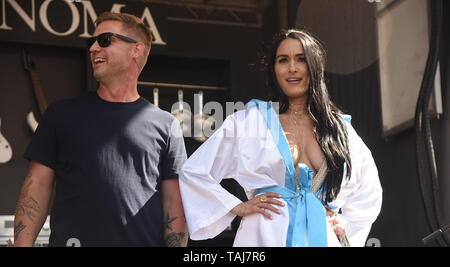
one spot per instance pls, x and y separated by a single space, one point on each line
109 160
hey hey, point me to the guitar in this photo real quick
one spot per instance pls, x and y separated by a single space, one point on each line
5 149
38 92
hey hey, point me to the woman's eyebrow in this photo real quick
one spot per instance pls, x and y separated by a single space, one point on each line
297 55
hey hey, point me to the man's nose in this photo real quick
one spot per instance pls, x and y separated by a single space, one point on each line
94 47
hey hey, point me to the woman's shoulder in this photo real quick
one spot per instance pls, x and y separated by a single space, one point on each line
247 116
346 117
356 143
252 112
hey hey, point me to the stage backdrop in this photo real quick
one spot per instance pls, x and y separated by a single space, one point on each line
70 23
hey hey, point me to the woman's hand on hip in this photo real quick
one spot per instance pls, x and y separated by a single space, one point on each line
259 204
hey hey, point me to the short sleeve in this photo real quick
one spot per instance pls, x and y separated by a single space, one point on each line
43 145
175 154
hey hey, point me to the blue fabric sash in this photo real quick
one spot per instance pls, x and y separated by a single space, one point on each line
307 216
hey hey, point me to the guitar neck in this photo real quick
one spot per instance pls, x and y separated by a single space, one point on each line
5 149
38 92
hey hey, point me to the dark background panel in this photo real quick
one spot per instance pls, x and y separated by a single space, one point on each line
61 74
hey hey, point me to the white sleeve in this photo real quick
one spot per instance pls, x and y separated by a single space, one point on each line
206 203
362 196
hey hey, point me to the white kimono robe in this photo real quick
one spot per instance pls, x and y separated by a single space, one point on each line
251 148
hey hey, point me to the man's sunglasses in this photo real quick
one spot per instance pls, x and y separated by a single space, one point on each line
104 39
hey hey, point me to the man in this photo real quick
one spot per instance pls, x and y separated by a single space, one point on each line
113 156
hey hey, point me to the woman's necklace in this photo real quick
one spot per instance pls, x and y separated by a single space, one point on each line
296 114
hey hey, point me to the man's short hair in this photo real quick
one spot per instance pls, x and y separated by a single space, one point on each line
131 24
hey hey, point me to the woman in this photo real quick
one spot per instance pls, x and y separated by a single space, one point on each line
309 178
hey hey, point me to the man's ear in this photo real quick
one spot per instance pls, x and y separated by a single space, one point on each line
138 50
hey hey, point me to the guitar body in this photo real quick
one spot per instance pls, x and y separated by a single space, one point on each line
5 149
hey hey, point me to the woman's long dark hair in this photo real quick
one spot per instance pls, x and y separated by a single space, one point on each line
331 133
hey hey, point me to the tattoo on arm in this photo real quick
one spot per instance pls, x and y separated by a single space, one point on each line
27 205
176 239
173 239
18 228
169 221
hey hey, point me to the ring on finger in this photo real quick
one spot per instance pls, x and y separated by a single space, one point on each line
263 199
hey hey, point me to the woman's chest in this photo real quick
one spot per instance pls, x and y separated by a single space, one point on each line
303 144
